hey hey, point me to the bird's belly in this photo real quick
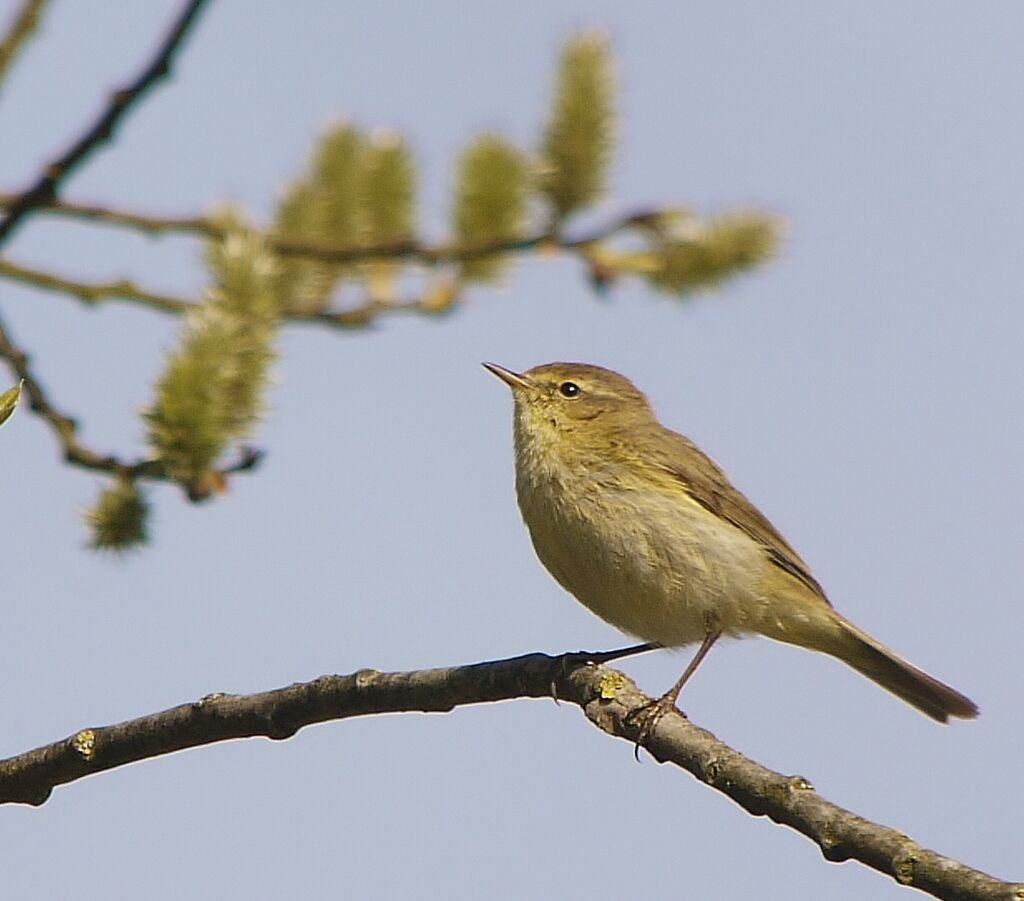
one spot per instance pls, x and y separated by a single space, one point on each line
660 567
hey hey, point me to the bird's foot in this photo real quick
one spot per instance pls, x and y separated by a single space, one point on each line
646 718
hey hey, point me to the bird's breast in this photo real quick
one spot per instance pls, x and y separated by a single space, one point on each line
645 557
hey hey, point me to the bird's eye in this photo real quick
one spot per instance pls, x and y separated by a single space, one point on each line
569 389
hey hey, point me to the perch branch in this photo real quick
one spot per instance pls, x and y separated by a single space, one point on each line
608 699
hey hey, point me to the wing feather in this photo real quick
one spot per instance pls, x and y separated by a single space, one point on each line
706 482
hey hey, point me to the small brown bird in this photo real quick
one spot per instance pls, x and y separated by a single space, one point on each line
648 532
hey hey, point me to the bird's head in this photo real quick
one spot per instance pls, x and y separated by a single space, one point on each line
575 402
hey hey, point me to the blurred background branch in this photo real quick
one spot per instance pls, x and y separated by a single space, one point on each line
23 25
105 126
342 251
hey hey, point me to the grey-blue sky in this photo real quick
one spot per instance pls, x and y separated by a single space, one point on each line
864 390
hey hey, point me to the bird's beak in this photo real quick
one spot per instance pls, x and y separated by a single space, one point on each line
513 379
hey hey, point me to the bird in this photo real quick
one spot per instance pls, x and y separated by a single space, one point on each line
647 531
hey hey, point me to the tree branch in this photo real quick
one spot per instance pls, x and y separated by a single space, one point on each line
360 316
609 699
23 26
412 248
102 130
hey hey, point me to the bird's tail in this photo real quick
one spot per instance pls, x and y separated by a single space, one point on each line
840 638
903 679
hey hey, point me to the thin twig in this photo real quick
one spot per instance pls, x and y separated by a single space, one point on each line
369 311
23 26
102 130
411 248
92 293
609 699
66 430
150 225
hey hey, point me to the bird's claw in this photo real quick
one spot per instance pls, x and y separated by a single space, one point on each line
647 717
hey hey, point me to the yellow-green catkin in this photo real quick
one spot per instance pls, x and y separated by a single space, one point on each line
118 521
321 207
211 390
490 201
580 136
386 207
713 250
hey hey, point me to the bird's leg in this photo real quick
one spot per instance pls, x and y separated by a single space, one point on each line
668 700
651 713
571 660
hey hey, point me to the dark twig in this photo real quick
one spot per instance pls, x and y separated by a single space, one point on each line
607 697
75 453
23 25
102 130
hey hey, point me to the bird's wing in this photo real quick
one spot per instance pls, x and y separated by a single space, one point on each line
706 483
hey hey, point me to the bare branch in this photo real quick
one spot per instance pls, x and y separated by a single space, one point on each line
102 130
608 698
23 26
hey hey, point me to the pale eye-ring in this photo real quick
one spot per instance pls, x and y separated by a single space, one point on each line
569 389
